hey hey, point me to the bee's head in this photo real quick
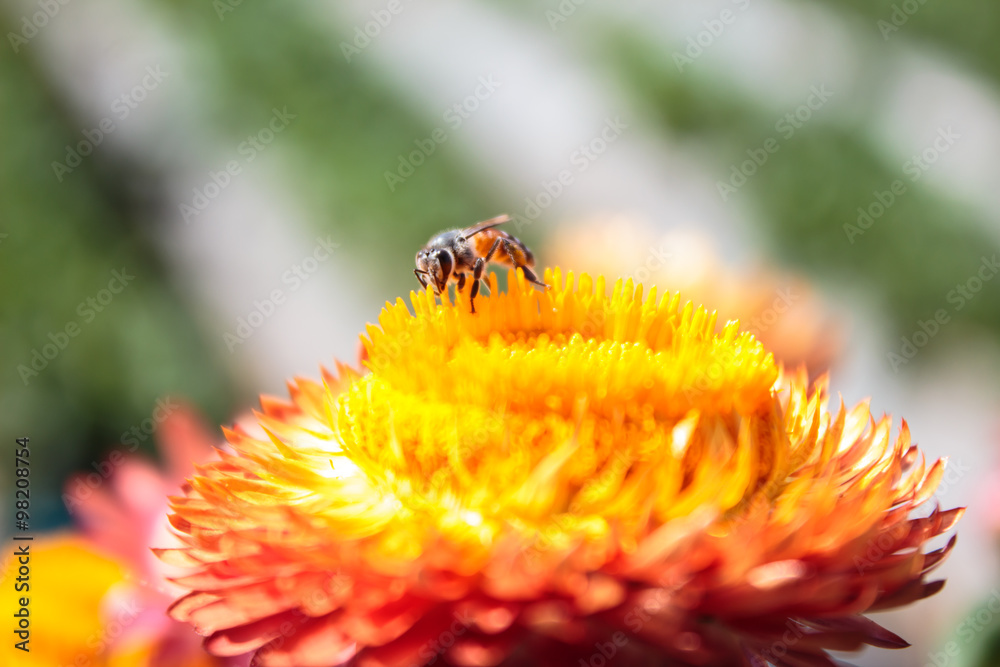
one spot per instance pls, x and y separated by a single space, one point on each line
438 264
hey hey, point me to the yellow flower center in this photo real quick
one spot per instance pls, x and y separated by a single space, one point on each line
562 408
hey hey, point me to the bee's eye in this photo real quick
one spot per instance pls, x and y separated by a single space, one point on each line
444 260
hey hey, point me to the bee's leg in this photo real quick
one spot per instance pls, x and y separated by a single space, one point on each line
493 249
530 275
509 249
420 276
460 278
477 275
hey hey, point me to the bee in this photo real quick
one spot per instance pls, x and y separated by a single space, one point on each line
452 254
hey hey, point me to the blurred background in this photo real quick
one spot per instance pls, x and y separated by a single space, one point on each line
200 199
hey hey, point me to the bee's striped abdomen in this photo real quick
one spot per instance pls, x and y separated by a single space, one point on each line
485 240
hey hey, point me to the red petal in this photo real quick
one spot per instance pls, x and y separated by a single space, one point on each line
874 634
316 643
246 638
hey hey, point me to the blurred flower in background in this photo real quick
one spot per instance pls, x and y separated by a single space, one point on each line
108 604
784 312
203 199
76 612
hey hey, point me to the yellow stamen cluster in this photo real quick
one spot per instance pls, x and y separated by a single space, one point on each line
561 405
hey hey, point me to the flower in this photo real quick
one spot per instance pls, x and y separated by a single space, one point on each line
98 596
561 478
86 608
70 609
124 515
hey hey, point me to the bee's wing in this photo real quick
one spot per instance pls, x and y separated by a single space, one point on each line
469 232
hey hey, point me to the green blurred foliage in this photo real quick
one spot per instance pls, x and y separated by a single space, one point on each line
963 30
63 241
975 641
804 195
